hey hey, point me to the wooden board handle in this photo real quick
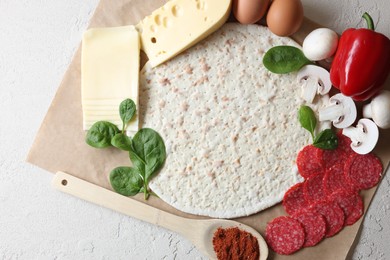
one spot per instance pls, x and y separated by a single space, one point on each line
307 27
109 199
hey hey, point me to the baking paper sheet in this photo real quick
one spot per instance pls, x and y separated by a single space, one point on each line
60 145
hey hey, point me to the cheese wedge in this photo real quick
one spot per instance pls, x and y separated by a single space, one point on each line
178 25
109 74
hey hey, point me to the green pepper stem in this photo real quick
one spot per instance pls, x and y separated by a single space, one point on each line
370 22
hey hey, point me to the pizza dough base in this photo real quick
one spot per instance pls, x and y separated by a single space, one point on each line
230 126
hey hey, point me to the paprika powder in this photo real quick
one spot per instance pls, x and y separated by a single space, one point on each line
235 244
361 63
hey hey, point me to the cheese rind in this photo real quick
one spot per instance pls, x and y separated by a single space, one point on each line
178 25
109 73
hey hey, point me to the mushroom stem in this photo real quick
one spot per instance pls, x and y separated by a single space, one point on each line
309 89
356 134
331 113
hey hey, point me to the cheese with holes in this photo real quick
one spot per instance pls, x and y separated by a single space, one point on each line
109 74
178 25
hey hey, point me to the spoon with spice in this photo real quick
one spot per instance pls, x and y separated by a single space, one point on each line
216 238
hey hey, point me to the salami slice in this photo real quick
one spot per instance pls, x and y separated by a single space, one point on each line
313 189
351 203
293 200
314 226
344 144
340 154
334 180
333 214
363 171
285 235
309 161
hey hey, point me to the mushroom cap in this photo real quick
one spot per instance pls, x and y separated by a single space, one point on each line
379 109
364 136
320 44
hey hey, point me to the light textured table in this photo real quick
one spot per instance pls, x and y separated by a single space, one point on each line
37 41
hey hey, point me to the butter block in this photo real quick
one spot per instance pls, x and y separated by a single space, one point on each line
178 25
110 63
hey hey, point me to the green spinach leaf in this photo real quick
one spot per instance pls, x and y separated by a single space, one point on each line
126 181
326 140
149 150
100 134
147 154
127 110
284 59
121 141
307 119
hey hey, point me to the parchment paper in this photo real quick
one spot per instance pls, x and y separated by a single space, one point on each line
59 144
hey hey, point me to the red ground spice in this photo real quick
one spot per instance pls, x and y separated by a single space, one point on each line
233 243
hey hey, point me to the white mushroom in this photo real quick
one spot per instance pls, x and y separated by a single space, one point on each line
379 109
320 44
316 80
341 110
364 136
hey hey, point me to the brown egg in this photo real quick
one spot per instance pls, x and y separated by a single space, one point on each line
285 17
249 11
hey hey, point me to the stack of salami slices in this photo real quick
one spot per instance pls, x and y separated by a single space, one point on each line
327 200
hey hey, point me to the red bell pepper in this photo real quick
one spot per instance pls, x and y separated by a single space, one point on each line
361 63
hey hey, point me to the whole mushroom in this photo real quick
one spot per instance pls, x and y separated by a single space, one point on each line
363 137
341 111
316 81
379 109
320 44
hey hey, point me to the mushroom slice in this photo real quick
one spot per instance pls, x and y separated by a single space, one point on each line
316 81
341 110
379 109
364 136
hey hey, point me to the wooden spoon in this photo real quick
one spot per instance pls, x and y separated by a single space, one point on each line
199 231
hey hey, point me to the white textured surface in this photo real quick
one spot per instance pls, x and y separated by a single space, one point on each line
37 41
206 115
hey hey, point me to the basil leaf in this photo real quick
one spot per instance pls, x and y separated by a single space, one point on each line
121 141
147 152
326 140
307 119
126 111
126 181
100 134
284 59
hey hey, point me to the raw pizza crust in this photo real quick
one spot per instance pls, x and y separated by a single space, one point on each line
230 126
